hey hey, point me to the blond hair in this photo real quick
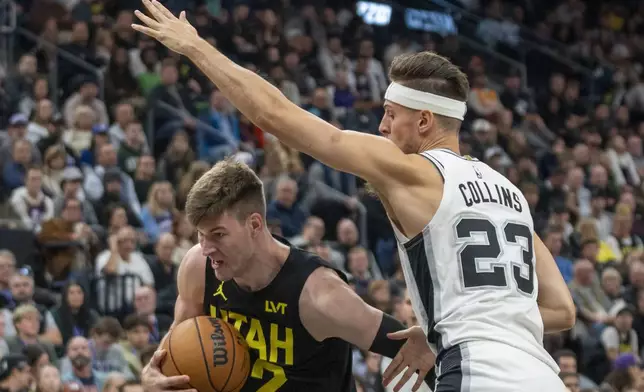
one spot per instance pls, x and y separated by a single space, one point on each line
152 202
229 185
23 310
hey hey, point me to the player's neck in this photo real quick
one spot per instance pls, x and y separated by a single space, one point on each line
446 141
266 263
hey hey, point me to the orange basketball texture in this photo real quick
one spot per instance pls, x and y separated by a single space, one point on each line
210 351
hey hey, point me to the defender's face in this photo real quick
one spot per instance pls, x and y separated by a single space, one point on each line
400 125
228 243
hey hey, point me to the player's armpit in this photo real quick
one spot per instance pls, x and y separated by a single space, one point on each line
330 308
555 302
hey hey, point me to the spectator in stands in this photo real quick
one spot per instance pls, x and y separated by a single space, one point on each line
162 266
15 168
7 269
106 172
158 213
357 265
16 130
145 304
77 367
166 123
222 137
15 375
620 338
113 382
74 316
178 166
123 115
132 148
591 302
120 84
20 85
312 233
86 96
611 283
82 130
53 169
144 176
567 361
71 188
43 113
284 207
137 332
48 379
122 258
186 236
30 202
553 239
622 241
27 321
37 357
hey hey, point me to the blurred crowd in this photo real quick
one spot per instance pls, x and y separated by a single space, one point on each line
104 133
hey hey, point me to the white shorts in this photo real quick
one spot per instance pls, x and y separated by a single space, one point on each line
493 367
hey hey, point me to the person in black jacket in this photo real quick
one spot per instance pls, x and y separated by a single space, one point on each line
74 316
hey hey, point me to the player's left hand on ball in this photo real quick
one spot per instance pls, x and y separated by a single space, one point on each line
175 33
415 355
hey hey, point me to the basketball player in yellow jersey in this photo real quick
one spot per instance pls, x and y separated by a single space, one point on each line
484 286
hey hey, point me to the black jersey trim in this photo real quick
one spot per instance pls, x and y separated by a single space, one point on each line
422 275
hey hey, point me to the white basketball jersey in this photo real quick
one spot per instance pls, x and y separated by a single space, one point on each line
470 273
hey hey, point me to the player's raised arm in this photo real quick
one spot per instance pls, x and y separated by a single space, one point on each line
329 308
190 287
373 158
555 303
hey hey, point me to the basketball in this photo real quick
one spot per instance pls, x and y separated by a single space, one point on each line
210 351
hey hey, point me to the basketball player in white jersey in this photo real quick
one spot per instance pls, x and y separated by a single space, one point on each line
483 284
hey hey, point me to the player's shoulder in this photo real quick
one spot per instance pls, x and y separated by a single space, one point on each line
193 262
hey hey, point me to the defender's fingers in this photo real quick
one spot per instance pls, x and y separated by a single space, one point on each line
163 10
419 380
147 20
154 11
146 30
401 383
395 367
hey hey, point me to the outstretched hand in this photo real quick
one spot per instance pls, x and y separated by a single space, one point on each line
153 380
415 355
177 34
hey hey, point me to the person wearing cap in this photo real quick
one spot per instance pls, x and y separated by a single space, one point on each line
71 185
16 130
15 373
87 94
620 338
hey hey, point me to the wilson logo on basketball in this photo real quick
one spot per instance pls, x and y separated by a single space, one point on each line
219 352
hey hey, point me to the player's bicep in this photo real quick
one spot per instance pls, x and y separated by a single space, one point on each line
331 309
374 158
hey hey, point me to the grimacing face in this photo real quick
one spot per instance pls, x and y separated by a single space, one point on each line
403 126
229 242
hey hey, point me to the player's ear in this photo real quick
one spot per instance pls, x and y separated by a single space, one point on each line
426 121
256 223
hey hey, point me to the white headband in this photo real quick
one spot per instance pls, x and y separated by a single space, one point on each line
418 100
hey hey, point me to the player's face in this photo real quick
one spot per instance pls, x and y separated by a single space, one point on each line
228 242
401 126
